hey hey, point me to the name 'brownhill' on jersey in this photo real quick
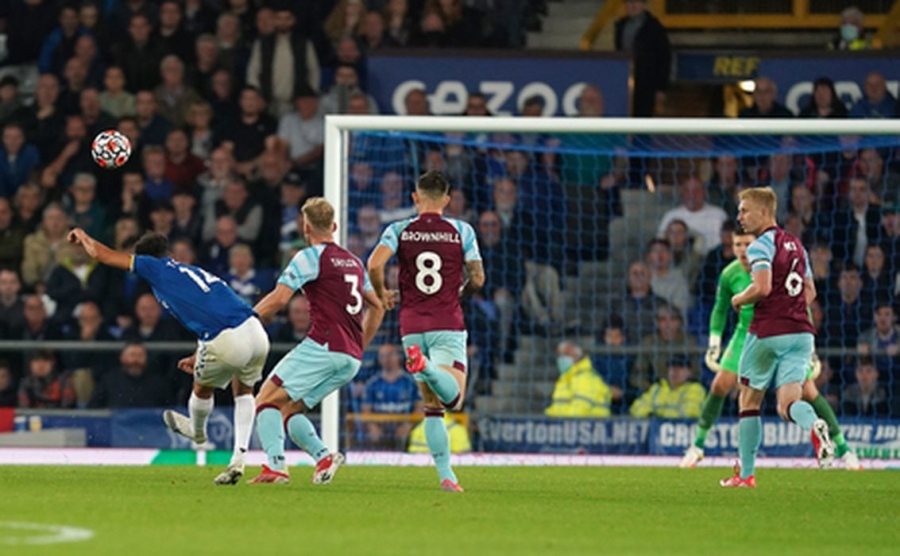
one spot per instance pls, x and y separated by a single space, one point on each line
432 252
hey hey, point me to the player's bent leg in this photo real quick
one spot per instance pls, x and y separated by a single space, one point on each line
712 408
445 385
825 411
269 403
200 405
792 408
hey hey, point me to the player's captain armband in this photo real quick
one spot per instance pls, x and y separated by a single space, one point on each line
131 263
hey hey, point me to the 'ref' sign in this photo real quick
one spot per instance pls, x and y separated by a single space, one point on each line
506 80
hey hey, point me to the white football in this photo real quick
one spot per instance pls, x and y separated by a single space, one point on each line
110 149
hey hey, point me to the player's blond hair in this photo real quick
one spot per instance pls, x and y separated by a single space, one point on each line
319 214
762 196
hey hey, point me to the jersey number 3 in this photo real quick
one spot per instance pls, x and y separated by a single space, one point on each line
428 268
353 280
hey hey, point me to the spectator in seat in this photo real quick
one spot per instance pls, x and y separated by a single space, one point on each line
9 396
399 21
43 121
45 386
373 33
723 186
246 135
59 46
854 228
12 237
579 390
91 59
41 246
173 38
702 218
200 126
157 186
17 159
687 250
34 21
878 283
658 349
368 224
779 177
674 397
765 102
236 202
345 19
667 281
889 236
614 367
713 263
153 128
346 83
186 223
824 102
162 218
297 326
638 305
867 397
503 272
882 342
846 314
12 307
416 101
83 210
394 199
851 34
215 253
173 96
74 279
131 385
304 132
224 98
115 100
877 102
278 78
803 206
182 167
150 327
72 155
183 251
643 36
27 204
243 276
212 183
139 55
86 368
391 392
200 75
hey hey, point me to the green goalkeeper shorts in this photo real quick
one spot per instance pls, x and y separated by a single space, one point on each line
732 357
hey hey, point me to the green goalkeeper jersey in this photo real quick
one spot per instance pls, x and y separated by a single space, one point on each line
733 280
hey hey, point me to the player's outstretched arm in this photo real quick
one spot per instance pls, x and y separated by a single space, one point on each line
475 279
758 290
372 318
98 251
273 302
375 266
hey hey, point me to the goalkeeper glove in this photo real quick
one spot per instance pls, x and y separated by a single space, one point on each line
713 353
815 367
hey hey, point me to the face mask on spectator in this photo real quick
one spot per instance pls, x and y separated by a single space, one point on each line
849 32
564 363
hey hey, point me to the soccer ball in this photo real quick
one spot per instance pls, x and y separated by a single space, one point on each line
110 149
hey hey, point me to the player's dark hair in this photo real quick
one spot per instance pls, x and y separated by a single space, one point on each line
153 244
433 184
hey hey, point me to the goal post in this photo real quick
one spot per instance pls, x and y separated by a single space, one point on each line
340 128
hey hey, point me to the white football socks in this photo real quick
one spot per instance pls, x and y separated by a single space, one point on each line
199 410
244 413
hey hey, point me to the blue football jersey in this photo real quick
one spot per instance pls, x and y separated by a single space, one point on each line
201 301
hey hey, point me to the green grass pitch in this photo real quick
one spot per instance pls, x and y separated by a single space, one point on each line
175 510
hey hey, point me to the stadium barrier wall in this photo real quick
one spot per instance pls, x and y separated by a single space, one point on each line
144 429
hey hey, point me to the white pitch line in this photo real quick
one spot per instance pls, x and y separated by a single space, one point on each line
41 533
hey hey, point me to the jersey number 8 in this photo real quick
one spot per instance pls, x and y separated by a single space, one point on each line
428 277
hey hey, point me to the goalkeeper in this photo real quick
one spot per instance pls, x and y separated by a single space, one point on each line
734 279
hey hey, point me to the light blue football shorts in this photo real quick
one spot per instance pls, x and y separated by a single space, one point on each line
784 358
309 372
443 347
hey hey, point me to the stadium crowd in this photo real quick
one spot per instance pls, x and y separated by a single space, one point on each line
224 103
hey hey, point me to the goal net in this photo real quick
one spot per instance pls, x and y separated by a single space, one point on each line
604 239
